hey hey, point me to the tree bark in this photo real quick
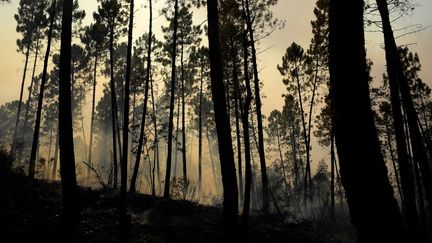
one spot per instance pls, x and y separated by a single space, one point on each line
226 153
144 115
113 104
258 104
71 208
246 138
185 179
370 201
93 111
171 112
14 139
28 106
125 220
35 142
407 180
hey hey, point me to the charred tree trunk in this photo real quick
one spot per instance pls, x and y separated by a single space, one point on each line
144 115
56 153
394 67
35 142
125 220
200 131
226 153
407 180
171 112
28 106
245 121
238 102
93 111
370 201
185 179
15 134
113 104
71 208
258 104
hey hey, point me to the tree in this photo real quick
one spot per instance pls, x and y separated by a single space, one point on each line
171 110
124 219
226 153
27 25
71 209
111 14
147 83
41 94
93 39
371 202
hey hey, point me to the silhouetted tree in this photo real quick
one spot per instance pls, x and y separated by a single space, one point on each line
71 208
226 153
370 201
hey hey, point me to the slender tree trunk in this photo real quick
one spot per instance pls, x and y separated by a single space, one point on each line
48 161
15 135
185 179
407 179
71 208
113 104
28 106
393 159
210 150
419 152
200 131
171 112
93 110
176 137
332 170
156 136
370 200
226 153
238 102
41 95
125 220
245 121
144 115
258 104
56 153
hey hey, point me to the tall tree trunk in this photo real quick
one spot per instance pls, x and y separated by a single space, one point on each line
41 95
156 136
15 134
48 161
200 131
393 159
56 153
370 200
113 104
210 151
176 137
93 111
258 104
332 170
185 179
28 106
171 112
226 153
407 179
238 102
395 69
71 208
124 218
144 115
246 138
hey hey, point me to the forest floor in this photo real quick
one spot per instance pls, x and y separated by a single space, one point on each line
30 211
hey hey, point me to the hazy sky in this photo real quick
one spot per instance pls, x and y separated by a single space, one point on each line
296 13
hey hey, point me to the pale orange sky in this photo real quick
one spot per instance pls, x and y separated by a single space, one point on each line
296 13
